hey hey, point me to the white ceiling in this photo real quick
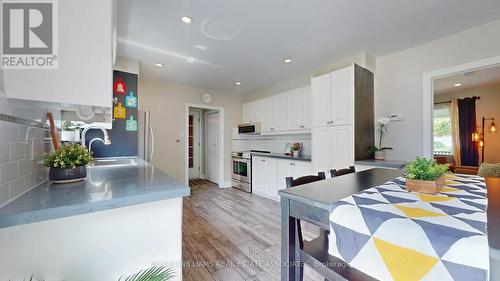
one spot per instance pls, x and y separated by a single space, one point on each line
247 40
468 80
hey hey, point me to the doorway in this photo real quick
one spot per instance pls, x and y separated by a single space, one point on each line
204 144
194 144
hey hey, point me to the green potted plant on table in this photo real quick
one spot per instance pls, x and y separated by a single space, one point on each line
379 151
425 176
67 164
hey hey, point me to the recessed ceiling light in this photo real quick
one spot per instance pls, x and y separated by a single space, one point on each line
457 85
159 64
186 19
238 83
288 60
190 59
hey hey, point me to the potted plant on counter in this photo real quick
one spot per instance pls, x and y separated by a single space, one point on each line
425 176
379 151
67 164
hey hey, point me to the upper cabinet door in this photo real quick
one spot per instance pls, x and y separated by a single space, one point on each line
247 112
266 114
85 60
305 108
342 101
295 108
280 112
321 100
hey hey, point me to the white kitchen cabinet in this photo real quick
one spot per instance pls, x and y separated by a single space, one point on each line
280 112
266 115
269 174
342 99
299 109
332 147
251 112
85 61
332 98
321 92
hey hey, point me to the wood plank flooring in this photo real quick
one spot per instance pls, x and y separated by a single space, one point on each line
231 235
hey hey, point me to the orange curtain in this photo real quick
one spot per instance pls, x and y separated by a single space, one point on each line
455 132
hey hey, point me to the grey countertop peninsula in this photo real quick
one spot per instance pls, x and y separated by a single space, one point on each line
394 164
281 156
105 188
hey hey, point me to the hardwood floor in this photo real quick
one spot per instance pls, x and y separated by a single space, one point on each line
231 235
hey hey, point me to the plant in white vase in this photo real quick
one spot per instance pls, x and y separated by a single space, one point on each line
379 151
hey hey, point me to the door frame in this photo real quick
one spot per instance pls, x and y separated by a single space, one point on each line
428 95
197 137
221 141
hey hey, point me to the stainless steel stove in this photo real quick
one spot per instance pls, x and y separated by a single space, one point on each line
242 170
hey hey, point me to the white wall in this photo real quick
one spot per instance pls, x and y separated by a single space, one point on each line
167 102
488 106
96 246
399 76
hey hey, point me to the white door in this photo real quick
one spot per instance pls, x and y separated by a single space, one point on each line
321 100
266 116
301 168
321 148
343 146
280 112
342 101
258 185
194 144
285 169
213 147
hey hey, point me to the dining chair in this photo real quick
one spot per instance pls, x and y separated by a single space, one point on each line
341 172
291 182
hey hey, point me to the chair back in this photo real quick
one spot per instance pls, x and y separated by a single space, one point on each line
341 172
290 182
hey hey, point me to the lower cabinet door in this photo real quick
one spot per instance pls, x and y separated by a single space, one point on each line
258 185
270 177
285 169
302 168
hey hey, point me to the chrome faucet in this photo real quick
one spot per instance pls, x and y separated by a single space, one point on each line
106 140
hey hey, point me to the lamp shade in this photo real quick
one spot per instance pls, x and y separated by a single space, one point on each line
493 128
481 143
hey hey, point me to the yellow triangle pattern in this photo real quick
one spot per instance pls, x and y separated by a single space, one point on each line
448 182
449 189
417 212
434 198
403 263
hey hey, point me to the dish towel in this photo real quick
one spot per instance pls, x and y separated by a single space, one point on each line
392 234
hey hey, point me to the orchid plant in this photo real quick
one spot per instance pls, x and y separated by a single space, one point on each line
382 123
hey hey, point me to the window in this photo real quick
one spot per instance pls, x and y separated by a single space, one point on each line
443 143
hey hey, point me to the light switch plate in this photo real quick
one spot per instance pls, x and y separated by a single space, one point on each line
396 117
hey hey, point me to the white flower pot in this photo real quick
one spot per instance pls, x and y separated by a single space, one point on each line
380 155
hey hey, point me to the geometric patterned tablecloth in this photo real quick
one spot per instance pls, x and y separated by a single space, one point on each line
392 234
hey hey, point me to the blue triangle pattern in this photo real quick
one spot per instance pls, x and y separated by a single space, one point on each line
396 200
349 242
474 204
479 225
442 237
460 272
373 218
449 210
366 201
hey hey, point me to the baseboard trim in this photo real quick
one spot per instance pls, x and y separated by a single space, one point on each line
227 184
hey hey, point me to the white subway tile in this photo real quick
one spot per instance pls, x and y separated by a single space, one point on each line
18 187
9 132
8 171
4 152
4 193
18 150
23 167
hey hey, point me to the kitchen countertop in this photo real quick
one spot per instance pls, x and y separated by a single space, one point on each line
281 156
395 164
105 188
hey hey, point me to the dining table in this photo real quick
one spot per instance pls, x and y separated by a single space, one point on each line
312 203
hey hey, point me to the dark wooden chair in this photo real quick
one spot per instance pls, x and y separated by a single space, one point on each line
341 172
291 182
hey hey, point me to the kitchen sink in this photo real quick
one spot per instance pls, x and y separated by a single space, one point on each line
113 162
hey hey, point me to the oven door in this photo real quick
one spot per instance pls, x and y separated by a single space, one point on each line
242 170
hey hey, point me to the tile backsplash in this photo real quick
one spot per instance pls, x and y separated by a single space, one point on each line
21 149
276 143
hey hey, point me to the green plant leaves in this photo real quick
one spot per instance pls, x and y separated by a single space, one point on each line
68 156
154 273
425 169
